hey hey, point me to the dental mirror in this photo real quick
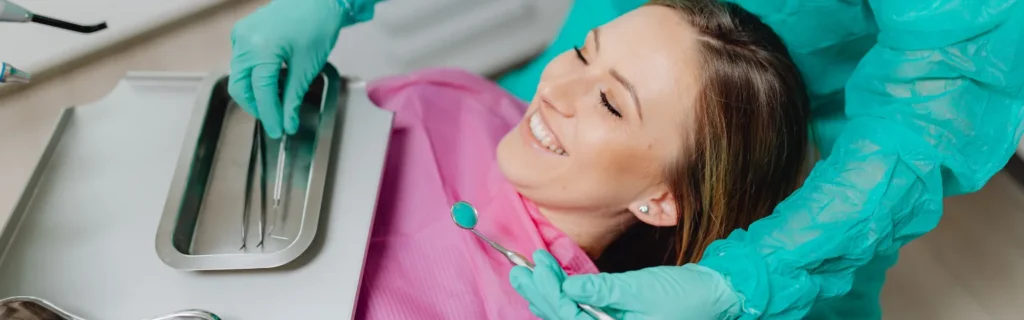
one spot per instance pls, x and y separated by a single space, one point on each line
464 215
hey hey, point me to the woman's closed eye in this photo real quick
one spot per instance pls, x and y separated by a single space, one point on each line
608 106
604 98
579 54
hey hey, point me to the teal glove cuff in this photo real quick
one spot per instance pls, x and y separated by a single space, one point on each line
748 279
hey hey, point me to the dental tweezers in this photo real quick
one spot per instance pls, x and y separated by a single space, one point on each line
256 154
282 159
281 155
263 181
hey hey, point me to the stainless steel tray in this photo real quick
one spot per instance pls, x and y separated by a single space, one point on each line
202 223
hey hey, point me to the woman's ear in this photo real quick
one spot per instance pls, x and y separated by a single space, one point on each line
657 210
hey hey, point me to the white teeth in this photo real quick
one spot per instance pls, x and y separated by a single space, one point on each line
543 135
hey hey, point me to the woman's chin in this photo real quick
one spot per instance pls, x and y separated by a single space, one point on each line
524 164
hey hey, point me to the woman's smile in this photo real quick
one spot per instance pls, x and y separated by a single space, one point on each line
540 135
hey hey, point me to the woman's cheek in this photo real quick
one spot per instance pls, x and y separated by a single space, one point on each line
597 142
611 147
594 126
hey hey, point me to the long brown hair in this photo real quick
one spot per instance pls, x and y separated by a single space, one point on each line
751 141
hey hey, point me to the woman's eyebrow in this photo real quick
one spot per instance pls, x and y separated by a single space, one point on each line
632 91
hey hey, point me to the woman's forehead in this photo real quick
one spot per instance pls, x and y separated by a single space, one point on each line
656 50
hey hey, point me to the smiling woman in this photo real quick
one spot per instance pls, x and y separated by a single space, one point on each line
666 129
688 109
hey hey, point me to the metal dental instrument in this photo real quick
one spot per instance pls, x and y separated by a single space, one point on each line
10 12
261 152
465 216
249 176
278 186
10 74
32 308
283 149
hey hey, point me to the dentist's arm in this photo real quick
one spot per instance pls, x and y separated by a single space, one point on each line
296 33
935 109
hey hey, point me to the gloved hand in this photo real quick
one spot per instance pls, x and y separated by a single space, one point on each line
543 288
687 292
299 33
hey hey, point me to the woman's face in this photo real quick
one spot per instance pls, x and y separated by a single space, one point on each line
607 119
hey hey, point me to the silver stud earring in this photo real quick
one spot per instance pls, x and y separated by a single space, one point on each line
645 209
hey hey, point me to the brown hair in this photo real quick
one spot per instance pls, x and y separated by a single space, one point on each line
751 141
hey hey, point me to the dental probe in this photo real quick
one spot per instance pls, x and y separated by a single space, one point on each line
10 12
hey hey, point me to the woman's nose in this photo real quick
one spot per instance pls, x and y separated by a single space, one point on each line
563 94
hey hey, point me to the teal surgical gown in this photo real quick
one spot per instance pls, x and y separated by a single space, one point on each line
912 100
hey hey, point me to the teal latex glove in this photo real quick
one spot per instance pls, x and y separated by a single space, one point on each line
297 33
687 292
542 287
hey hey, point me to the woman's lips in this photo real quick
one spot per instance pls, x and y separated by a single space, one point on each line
543 136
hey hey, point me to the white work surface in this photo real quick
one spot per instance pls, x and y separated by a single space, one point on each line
86 240
36 48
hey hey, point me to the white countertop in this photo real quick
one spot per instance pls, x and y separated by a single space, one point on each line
39 48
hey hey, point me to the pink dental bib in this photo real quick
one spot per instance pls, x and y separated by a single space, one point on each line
420 265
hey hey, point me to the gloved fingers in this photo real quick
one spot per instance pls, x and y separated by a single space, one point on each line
522 281
723 300
548 277
605 290
543 259
240 88
265 88
301 72
536 312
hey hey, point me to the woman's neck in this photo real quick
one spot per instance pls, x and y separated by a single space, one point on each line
593 232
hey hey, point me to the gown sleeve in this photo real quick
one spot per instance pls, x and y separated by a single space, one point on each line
913 100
